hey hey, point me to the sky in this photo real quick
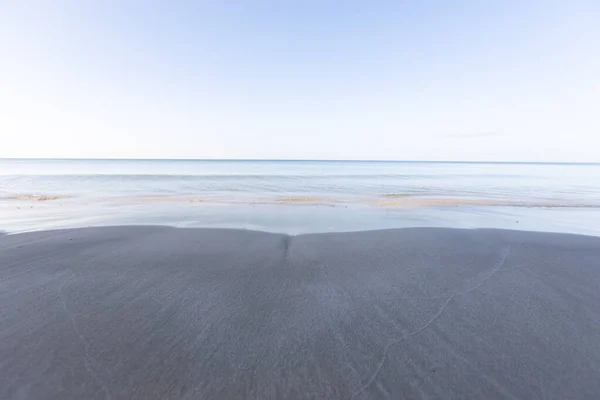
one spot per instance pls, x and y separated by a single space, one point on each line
394 80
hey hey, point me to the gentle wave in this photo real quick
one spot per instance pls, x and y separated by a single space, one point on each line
168 199
390 200
228 177
304 200
396 200
432 202
162 199
33 197
403 195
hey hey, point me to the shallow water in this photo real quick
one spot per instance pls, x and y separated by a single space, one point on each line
299 196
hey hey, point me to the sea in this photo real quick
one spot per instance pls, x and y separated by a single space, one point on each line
298 197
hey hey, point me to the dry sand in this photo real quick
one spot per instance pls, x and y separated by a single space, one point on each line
166 313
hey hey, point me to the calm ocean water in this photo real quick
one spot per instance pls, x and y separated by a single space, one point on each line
299 196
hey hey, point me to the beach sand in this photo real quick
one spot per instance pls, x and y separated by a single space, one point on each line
167 313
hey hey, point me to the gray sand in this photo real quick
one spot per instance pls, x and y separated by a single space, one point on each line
166 313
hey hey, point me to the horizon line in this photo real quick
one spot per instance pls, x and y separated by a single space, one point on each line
297 160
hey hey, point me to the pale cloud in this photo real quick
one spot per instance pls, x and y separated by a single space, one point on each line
471 135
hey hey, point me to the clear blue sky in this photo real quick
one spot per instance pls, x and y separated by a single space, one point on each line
427 80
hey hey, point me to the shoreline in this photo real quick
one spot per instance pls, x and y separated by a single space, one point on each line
162 312
274 232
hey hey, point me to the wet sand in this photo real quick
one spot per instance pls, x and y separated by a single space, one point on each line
167 313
